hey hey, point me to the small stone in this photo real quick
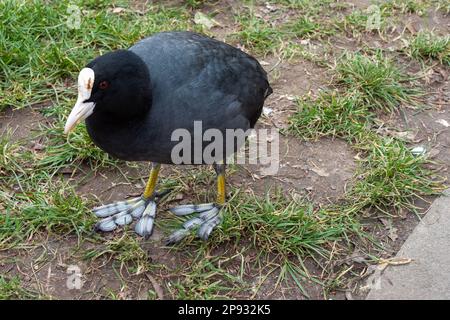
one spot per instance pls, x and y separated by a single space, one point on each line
418 151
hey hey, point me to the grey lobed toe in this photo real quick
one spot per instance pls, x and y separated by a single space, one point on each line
186 209
207 227
144 227
209 217
116 207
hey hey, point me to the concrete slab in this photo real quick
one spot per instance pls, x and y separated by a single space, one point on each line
428 275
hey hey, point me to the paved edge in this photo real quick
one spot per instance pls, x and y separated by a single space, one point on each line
428 275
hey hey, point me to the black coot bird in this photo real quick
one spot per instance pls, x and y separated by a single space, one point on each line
133 100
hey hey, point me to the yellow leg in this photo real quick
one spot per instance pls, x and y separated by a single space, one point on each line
220 170
221 188
151 184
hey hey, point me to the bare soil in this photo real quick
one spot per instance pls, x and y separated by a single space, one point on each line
316 170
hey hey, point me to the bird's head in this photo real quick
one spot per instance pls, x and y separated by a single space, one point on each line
116 84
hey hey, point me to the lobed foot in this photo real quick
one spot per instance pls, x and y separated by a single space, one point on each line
144 210
124 212
208 218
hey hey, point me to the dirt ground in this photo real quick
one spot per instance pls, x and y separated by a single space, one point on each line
315 170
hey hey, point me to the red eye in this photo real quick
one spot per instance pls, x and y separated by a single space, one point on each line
103 85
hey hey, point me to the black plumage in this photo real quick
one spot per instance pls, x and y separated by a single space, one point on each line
134 100
168 81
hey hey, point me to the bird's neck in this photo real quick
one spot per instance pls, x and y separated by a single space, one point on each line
111 119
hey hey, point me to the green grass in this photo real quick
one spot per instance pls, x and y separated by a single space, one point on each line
257 34
306 27
418 7
356 22
427 45
262 37
34 201
43 209
38 54
72 150
126 251
443 5
377 81
273 224
331 114
389 176
277 225
208 278
11 289
38 50
310 6
39 60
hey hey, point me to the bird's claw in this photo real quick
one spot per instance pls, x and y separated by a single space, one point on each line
208 218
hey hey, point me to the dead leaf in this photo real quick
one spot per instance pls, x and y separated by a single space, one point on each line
443 73
320 172
393 234
410 28
348 295
443 122
179 196
37 146
288 97
66 170
358 257
124 294
396 261
405 135
402 213
385 222
433 152
204 20
118 10
304 42
428 76
156 286
134 194
270 7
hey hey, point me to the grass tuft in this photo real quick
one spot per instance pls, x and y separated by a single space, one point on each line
305 27
331 114
427 45
71 150
377 81
277 225
33 200
257 34
126 250
11 289
207 278
389 175
418 7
